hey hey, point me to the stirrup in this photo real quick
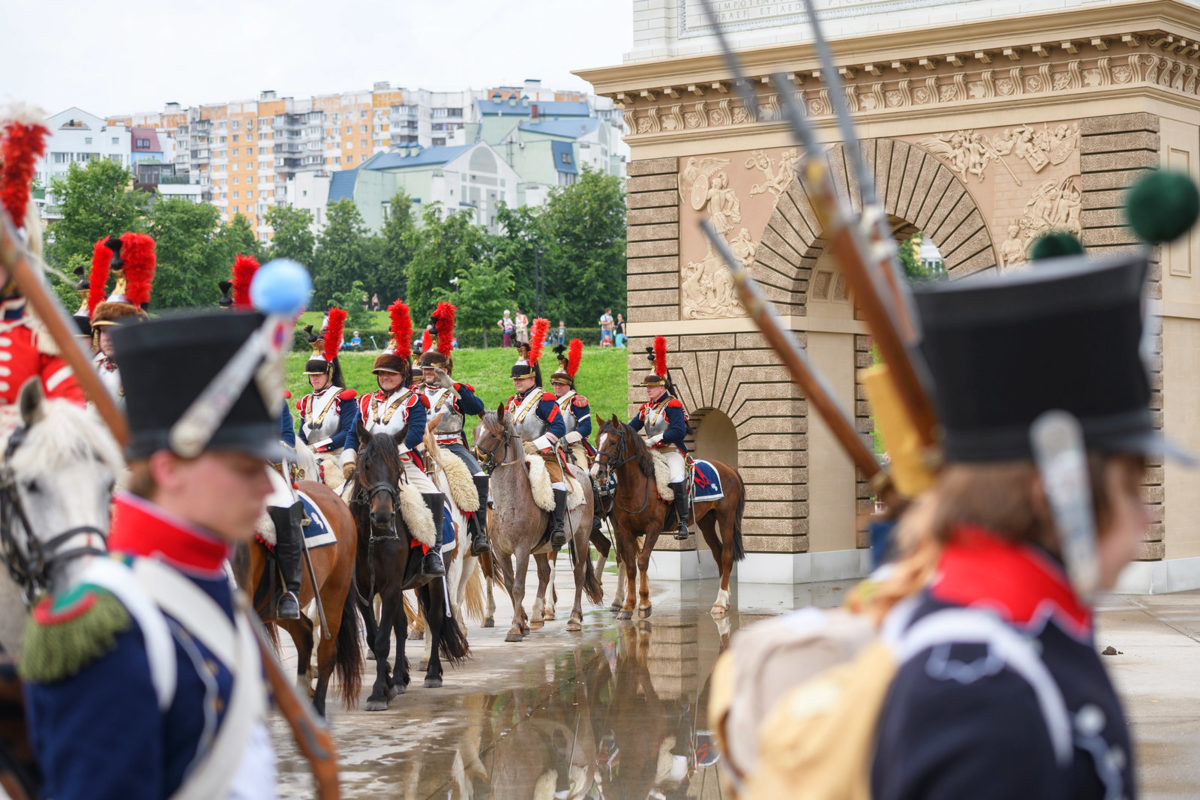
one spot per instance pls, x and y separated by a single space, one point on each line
438 567
557 539
288 607
480 545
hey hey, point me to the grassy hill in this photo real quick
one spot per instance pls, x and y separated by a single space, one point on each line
602 376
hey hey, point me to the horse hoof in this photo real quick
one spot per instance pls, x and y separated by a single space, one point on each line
624 614
490 622
614 607
644 613
548 614
718 612
377 705
433 683
393 691
536 624
574 625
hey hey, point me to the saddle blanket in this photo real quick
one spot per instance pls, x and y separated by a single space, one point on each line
318 532
448 541
707 482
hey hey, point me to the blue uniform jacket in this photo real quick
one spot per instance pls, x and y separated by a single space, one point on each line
287 432
468 404
348 413
676 426
959 722
100 734
547 410
583 415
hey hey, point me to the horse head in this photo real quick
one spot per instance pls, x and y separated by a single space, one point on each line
56 483
377 475
491 439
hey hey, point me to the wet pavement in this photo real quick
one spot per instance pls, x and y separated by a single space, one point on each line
618 711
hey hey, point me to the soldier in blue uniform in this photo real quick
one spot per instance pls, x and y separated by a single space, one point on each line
536 418
576 413
971 719
144 679
664 426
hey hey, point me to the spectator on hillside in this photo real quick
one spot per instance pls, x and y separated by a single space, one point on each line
355 342
375 302
506 326
561 337
619 330
366 302
522 323
606 328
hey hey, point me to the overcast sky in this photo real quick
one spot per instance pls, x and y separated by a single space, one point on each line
115 56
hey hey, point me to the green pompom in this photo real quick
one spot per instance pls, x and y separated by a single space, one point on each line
1055 244
68 632
1162 206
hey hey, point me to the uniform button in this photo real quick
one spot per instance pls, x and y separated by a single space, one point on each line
1089 720
219 704
211 665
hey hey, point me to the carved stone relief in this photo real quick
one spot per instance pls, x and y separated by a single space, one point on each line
1054 205
971 153
777 179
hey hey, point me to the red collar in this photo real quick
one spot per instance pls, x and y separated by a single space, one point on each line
141 528
978 568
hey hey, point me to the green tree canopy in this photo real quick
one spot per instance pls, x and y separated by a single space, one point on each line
481 293
189 266
235 238
396 251
293 237
95 201
444 248
343 254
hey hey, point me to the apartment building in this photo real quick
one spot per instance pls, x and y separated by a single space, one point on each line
77 137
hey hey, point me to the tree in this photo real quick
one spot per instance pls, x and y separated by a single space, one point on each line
293 237
522 232
443 248
343 253
481 293
189 266
909 252
585 248
235 238
95 201
397 243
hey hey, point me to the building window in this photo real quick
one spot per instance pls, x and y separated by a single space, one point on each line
363 143
221 140
235 208
362 115
116 159
235 180
87 140
60 158
364 128
349 130
235 194
337 159
234 125
235 151
249 194
116 140
249 179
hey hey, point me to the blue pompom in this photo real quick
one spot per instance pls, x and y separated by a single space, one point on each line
281 287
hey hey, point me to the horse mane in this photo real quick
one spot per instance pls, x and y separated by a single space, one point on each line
643 455
67 434
380 448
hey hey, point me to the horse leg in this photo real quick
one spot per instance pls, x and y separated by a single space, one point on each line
517 593
643 563
367 610
382 690
302 637
436 619
400 677
575 623
603 548
489 613
629 557
552 598
538 616
708 527
620 591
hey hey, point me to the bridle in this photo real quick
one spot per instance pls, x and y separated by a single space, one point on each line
609 464
365 496
487 457
32 570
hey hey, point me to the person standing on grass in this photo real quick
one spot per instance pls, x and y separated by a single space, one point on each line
560 338
606 328
506 326
522 323
375 302
619 330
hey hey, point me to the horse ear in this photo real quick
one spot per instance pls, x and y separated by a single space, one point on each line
500 411
400 435
363 433
31 403
616 422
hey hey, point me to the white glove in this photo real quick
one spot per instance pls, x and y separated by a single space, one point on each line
655 441
444 380
574 437
349 457
544 443
321 446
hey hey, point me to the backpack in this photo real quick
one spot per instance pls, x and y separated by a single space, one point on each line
795 699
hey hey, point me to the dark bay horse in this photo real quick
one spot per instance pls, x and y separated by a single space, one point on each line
339 649
638 511
383 556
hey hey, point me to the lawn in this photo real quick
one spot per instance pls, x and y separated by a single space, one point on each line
602 376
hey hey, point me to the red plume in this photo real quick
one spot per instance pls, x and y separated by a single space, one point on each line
244 268
537 339
443 317
137 251
23 143
102 256
574 356
426 341
333 334
401 328
660 356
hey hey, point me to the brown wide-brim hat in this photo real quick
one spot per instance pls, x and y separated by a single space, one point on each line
563 378
435 358
390 362
654 379
111 312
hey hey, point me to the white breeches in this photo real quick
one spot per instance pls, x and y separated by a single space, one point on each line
675 462
416 477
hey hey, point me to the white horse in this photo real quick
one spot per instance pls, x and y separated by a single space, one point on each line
56 482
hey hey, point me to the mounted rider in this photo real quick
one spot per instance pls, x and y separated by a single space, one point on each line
454 401
328 414
663 423
576 413
25 348
536 418
131 256
144 678
388 410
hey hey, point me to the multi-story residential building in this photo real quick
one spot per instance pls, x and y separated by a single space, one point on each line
77 137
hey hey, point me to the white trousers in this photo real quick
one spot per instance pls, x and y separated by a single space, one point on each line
674 462
415 476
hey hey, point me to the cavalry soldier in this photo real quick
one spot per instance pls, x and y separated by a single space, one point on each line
144 679
664 426
388 410
25 348
132 257
327 415
536 417
454 401
576 413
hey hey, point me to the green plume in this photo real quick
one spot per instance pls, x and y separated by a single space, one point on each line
1055 244
1162 206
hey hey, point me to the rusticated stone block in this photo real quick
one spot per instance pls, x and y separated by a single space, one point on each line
1119 123
652 216
1128 159
1116 142
643 233
652 183
669 197
661 247
652 166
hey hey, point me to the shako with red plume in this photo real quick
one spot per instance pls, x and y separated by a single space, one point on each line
658 361
244 268
133 259
528 367
426 341
397 357
22 143
325 346
438 353
569 358
333 333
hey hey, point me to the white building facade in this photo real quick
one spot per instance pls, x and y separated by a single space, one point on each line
77 137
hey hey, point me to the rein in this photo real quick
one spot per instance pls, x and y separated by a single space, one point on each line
487 458
607 466
32 570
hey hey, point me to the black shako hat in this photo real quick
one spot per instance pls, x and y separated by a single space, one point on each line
165 365
1066 335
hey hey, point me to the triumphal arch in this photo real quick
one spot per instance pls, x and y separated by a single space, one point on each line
985 123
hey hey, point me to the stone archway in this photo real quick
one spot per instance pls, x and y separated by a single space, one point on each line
715 435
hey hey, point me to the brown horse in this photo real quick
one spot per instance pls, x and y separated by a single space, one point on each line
638 511
516 525
340 647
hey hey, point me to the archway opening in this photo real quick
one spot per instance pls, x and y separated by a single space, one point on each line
715 436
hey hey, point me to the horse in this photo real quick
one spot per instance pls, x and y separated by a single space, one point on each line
383 555
516 526
339 649
638 512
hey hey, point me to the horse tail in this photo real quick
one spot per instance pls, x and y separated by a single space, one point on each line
739 549
591 584
416 618
347 651
474 596
453 641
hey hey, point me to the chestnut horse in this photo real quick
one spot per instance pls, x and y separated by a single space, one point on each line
638 511
339 648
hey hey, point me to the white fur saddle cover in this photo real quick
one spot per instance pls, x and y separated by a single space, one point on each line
459 481
539 482
662 477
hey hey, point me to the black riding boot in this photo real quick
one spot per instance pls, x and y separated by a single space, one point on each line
681 510
479 542
289 539
432 565
557 537
596 513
